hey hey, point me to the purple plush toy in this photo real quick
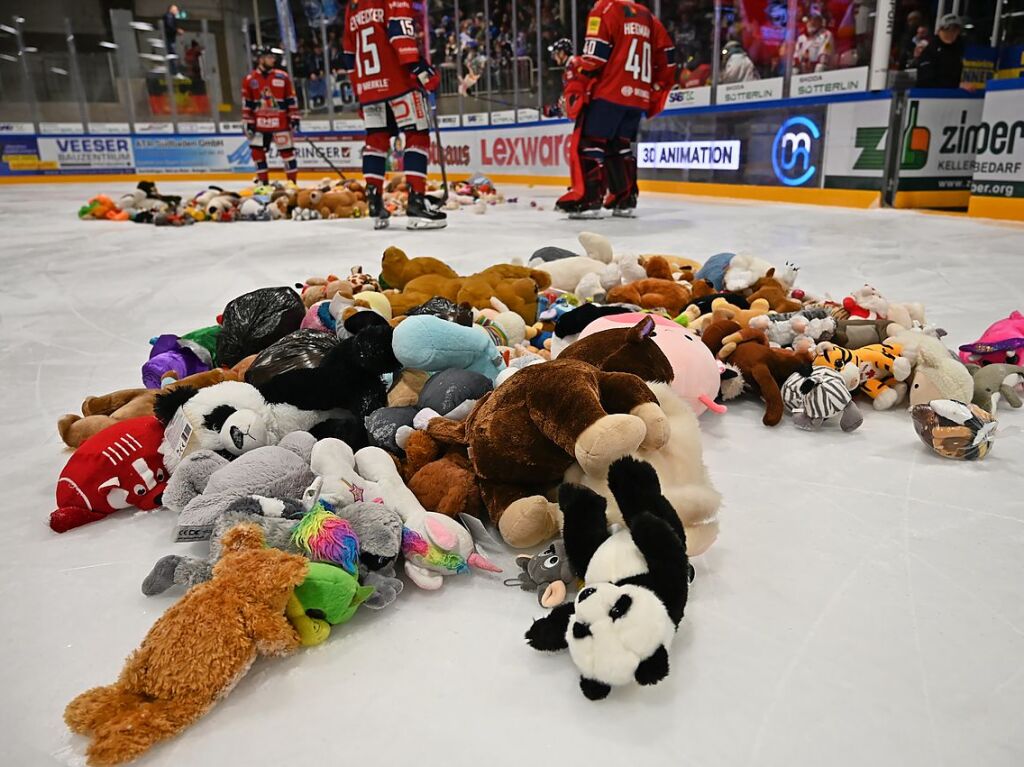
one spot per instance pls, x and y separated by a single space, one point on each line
171 359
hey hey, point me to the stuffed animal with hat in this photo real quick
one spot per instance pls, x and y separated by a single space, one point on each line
620 627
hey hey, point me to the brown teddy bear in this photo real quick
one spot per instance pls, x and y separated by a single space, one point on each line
659 267
775 293
652 293
397 270
514 286
764 368
316 289
524 435
196 652
107 409
441 477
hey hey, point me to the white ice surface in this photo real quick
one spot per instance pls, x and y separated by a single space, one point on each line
863 604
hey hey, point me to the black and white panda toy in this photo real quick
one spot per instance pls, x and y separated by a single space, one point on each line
621 625
233 417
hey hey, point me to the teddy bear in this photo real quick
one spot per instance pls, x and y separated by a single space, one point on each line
523 436
515 286
620 627
107 409
723 309
652 293
337 203
774 292
764 368
397 270
567 274
195 653
800 330
317 289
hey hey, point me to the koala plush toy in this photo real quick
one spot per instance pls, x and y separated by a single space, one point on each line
621 625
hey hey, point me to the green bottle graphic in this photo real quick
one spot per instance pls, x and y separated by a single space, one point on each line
915 142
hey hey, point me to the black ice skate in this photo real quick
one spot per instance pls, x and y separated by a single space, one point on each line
589 205
622 207
375 201
422 214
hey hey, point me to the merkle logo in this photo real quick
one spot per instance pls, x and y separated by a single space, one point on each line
792 151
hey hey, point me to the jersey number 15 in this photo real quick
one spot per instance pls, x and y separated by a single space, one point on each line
638 62
367 57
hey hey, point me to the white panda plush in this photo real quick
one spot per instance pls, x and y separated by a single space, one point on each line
232 418
621 625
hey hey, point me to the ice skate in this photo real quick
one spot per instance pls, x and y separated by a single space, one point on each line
377 211
422 215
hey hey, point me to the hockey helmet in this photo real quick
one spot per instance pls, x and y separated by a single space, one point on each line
563 44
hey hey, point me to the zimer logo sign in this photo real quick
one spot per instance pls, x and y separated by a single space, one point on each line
548 151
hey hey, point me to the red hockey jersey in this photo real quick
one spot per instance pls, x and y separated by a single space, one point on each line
632 53
379 45
268 100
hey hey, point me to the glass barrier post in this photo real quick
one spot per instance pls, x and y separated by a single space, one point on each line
328 75
885 15
488 67
787 71
997 18
893 148
540 60
575 23
211 75
256 18
172 104
716 52
30 91
458 59
515 58
76 75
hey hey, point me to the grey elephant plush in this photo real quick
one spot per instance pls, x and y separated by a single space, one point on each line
205 484
379 532
995 382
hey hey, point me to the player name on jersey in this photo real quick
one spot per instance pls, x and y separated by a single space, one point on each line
633 28
364 17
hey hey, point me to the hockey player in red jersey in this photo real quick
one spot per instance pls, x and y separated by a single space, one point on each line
390 77
270 114
631 59
575 90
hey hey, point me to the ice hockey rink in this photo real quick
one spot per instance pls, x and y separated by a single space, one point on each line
862 606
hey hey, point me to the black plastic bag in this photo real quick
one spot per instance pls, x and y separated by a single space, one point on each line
253 321
302 350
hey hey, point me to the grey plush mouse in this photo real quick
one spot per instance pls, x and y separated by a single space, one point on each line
547 572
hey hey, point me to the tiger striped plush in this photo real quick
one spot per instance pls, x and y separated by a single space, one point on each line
882 370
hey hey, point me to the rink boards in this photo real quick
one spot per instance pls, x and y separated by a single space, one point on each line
952 149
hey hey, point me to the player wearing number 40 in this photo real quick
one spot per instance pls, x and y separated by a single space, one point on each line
629 62
391 79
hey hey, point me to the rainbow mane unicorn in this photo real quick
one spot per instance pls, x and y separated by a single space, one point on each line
325 537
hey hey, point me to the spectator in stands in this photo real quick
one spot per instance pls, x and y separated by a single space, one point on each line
171 34
815 48
694 73
317 91
736 65
911 39
193 67
941 62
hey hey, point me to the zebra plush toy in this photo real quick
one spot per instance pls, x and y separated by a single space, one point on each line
823 394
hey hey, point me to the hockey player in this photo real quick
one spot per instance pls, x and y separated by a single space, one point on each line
631 60
572 104
270 114
390 78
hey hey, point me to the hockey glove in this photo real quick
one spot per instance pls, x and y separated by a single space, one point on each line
427 75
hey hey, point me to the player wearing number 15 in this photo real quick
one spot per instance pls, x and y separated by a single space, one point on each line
390 77
631 58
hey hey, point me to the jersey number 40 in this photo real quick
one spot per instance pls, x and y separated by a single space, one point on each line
367 55
638 62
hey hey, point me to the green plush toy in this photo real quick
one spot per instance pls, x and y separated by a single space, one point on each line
328 597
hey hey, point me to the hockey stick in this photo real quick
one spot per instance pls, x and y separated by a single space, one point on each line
432 119
325 158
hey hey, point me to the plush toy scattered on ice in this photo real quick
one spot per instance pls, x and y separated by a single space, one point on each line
621 626
994 383
955 429
195 653
118 468
1003 342
823 393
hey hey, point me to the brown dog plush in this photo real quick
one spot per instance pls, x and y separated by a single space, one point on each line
514 286
196 652
773 291
107 409
652 293
398 270
764 368
525 434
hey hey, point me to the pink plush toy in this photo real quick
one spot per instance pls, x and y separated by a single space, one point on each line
1002 343
697 376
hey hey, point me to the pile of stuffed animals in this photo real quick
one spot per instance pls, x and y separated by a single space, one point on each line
327 437
329 199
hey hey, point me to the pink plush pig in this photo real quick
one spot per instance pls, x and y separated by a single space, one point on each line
696 371
1003 342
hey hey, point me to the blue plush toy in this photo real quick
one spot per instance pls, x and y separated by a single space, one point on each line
429 343
714 269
